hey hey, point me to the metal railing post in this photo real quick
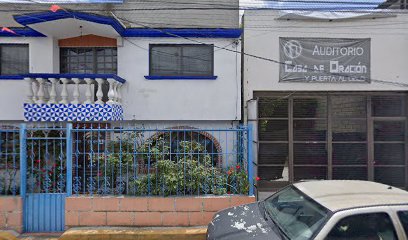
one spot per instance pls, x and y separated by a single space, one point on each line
23 159
250 160
69 159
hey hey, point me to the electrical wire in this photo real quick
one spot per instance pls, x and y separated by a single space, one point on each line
265 58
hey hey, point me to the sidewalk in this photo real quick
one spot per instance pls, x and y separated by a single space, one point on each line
107 233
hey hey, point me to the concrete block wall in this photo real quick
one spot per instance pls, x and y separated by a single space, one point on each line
11 213
147 211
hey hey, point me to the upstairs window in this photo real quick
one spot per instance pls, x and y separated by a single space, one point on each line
89 60
13 59
181 60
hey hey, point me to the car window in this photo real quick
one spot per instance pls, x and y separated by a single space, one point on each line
403 217
298 216
372 226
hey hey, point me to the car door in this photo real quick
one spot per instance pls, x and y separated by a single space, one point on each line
376 223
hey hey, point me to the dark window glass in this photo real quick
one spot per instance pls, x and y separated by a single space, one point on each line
389 154
389 130
309 130
277 173
273 153
364 226
309 173
403 217
310 108
310 153
89 60
349 153
394 176
346 106
273 130
181 60
14 59
388 106
349 130
273 108
350 173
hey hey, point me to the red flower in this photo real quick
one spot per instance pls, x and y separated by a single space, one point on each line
43 170
238 167
257 178
38 161
229 172
99 174
228 192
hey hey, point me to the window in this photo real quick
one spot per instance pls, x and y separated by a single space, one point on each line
13 59
403 217
298 216
356 136
364 226
88 60
181 60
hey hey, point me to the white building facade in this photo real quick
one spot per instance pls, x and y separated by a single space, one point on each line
151 73
327 94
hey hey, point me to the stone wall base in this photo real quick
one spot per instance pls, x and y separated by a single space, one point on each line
147 211
11 213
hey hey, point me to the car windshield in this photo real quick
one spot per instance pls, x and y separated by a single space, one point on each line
296 215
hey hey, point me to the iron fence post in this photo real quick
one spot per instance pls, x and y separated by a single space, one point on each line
250 160
23 159
69 159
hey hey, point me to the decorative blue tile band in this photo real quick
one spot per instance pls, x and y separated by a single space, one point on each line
72 112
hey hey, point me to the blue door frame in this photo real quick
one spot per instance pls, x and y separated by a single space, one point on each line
44 211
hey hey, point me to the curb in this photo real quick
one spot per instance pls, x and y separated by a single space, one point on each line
7 235
196 233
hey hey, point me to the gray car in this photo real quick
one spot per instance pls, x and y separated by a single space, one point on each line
330 210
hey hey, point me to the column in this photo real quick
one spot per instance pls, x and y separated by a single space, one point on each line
75 95
53 91
112 92
41 91
99 93
119 92
30 93
88 93
64 91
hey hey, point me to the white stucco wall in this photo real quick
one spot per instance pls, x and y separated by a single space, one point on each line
42 52
180 99
144 99
389 47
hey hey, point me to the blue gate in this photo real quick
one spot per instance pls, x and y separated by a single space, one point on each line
46 170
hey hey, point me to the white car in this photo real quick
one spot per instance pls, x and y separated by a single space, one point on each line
329 210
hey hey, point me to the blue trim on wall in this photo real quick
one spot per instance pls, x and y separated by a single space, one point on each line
181 77
40 17
11 77
74 75
22 32
185 32
47 16
61 75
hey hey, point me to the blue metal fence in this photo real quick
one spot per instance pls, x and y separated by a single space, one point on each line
159 161
137 161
